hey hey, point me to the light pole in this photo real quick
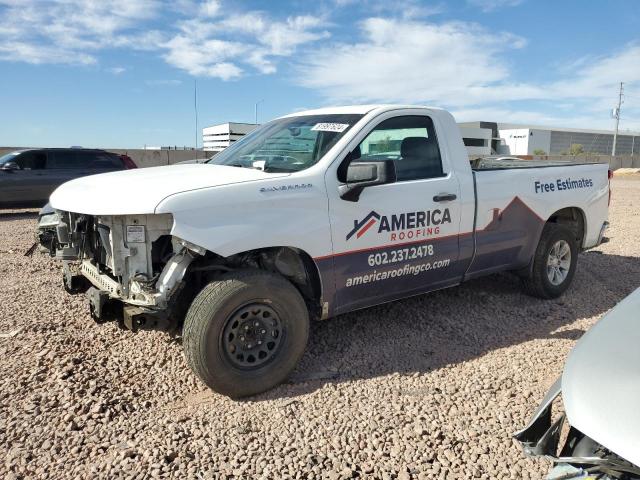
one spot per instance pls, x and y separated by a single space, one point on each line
256 110
195 111
617 117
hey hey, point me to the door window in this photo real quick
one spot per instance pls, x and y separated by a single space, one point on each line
64 159
410 141
32 160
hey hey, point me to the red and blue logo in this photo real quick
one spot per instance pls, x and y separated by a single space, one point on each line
361 227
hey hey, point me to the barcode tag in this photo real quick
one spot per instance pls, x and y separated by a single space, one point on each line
330 127
135 234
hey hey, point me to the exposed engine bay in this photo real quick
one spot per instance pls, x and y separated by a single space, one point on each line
133 270
131 258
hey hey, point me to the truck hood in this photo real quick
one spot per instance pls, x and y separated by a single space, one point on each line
139 191
601 381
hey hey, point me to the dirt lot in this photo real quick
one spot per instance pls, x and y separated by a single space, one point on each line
430 387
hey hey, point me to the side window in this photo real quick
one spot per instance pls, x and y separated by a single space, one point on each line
87 159
409 141
104 160
32 160
63 159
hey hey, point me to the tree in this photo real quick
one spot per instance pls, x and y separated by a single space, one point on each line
576 149
384 145
539 151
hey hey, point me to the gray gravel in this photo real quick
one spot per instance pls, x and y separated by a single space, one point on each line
430 387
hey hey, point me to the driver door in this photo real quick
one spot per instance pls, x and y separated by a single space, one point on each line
398 239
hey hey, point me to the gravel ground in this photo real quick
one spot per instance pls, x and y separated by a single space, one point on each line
430 387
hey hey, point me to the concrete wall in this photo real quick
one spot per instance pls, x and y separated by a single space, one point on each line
145 158
539 139
154 158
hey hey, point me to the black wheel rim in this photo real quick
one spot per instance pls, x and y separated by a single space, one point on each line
252 336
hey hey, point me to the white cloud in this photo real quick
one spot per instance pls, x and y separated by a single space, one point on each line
489 5
18 51
409 61
210 8
203 40
116 70
203 48
398 8
67 31
462 67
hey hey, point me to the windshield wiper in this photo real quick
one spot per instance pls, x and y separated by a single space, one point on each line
239 165
272 169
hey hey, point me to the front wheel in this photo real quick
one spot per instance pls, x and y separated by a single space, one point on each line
554 263
245 332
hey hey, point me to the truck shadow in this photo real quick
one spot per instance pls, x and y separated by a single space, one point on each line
427 332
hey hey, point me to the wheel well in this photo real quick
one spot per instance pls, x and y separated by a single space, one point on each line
294 264
573 219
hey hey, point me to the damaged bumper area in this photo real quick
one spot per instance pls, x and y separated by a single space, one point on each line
578 456
131 266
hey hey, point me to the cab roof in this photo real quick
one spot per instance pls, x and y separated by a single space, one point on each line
356 109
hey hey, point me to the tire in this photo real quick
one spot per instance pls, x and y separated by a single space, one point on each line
225 312
541 283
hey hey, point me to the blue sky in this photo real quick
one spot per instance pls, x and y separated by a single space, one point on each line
120 73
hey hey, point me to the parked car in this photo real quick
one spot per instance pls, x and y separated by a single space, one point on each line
306 218
28 177
599 389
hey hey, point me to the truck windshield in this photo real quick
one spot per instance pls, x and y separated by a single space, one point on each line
288 144
8 157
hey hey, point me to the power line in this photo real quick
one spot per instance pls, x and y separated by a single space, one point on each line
195 109
617 116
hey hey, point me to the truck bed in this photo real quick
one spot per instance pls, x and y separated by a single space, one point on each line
507 163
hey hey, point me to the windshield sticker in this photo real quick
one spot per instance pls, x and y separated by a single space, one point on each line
330 127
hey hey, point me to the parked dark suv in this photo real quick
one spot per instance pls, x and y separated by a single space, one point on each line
28 177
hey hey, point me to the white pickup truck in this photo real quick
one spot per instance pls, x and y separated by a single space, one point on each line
312 215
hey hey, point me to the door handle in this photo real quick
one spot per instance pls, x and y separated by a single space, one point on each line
445 197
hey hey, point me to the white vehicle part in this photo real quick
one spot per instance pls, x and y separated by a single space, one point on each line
101 281
140 295
140 190
601 381
131 260
173 272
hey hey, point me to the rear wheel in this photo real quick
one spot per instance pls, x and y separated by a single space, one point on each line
554 262
245 332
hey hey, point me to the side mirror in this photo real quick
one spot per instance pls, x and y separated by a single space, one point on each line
366 174
10 166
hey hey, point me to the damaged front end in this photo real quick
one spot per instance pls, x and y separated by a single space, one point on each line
574 454
130 265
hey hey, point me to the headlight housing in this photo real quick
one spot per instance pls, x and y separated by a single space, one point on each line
49 220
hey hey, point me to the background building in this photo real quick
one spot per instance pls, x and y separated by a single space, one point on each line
485 138
526 140
480 138
218 137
